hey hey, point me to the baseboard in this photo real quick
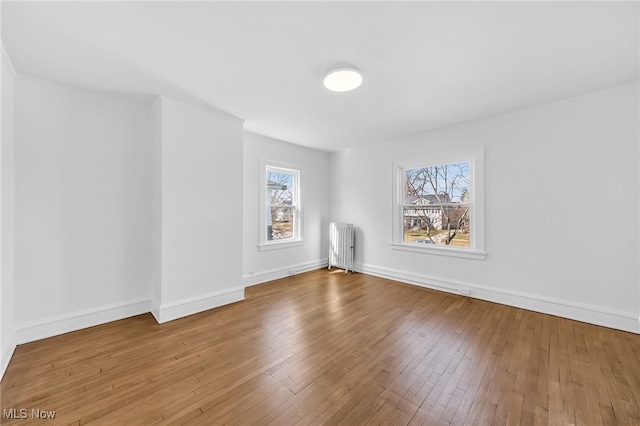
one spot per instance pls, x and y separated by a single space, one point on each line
7 353
275 274
620 320
154 307
185 307
78 320
61 324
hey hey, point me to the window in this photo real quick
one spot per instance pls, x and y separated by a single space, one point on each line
438 204
280 215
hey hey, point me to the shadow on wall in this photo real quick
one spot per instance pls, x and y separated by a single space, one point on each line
359 247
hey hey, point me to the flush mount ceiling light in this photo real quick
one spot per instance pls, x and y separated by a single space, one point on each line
343 79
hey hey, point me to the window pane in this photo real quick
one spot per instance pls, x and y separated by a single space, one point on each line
282 220
442 183
281 203
280 188
425 219
442 225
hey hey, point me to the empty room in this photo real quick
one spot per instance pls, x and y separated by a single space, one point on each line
298 212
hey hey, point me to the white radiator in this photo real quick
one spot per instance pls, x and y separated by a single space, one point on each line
341 245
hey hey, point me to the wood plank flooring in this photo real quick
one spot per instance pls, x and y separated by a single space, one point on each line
330 348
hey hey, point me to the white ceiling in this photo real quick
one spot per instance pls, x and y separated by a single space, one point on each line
425 64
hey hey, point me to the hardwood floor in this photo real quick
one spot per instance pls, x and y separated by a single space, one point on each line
325 347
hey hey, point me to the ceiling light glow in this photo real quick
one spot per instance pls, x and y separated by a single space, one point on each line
343 79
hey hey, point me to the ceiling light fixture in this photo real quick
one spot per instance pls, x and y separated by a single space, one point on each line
343 79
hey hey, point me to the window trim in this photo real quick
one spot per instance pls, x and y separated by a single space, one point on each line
297 240
475 156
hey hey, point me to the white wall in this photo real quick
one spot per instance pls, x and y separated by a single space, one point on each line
83 208
561 208
261 266
122 207
7 203
201 204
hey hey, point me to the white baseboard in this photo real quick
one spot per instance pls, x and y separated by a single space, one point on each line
275 274
592 314
154 308
7 353
61 324
185 307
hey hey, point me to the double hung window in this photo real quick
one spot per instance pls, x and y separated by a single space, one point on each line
438 204
280 215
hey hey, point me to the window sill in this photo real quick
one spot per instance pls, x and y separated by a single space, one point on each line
441 251
279 245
